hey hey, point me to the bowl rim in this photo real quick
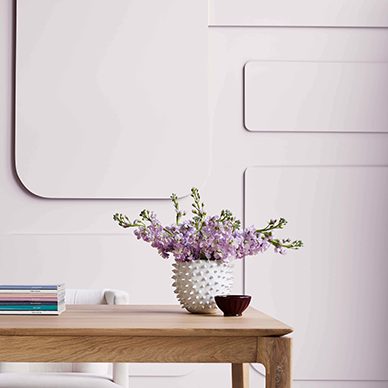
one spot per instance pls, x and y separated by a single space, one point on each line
234 296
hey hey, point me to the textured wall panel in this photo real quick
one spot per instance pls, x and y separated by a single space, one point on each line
316 96
111 101
322 13
333 290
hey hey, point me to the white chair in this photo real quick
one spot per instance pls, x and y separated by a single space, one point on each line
70 375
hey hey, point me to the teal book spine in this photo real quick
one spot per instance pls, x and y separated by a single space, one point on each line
28 307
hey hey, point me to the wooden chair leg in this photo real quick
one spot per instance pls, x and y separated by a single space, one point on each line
240 375
275 354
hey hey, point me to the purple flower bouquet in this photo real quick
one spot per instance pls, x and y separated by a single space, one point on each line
204 237
204 248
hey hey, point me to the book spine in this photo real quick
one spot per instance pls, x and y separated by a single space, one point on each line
30 291
27 302
34 301
28 307
53 287
35 312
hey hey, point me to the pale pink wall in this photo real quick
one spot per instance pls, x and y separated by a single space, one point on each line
75 240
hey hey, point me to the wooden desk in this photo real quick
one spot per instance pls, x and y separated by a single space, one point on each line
86 333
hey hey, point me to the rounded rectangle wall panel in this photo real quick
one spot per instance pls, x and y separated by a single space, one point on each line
299 13
111 97
316 96
332 291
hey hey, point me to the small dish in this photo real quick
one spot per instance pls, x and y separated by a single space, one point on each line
232 305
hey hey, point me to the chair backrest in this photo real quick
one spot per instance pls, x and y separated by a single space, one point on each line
119 372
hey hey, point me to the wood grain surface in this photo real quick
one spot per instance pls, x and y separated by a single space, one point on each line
275 355
240 375
139 320
87 333
127 349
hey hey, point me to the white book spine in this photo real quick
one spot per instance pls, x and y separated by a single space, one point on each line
32 312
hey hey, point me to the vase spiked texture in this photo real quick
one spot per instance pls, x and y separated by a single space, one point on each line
197 282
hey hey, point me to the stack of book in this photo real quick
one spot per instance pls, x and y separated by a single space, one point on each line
32 299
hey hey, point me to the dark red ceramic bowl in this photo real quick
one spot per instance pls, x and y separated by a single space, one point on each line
232 305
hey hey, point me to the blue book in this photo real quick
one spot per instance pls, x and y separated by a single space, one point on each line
53 287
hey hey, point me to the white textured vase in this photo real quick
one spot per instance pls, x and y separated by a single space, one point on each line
197 282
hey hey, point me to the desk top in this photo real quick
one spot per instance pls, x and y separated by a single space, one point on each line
140 320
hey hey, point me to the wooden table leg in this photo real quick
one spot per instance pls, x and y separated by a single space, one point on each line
275 354
240 375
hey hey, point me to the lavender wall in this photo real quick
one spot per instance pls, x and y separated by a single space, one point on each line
75 240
